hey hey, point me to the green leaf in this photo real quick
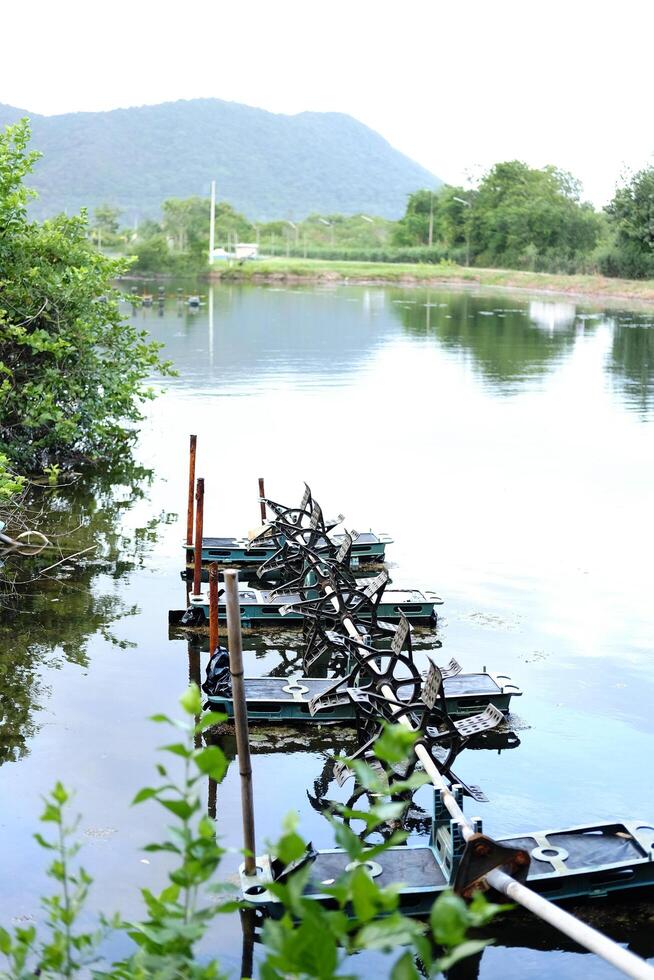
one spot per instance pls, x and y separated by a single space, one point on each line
367 777
42 842
397 837
5 942
209 720
468 948
405 968
395 743
380 813
449 919
289 847
481 911
365 895
191 700
51 814
177 748
415 781
170 894
348 840
60 794
394 930
181 808
206 828
211 761
147 793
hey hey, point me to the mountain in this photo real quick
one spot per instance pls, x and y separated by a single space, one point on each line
266 164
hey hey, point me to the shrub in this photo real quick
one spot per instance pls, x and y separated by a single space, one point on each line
71 368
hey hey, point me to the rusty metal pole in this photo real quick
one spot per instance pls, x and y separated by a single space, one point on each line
213 608
212 795
234 643
199 523
195 677
191 488
194 673
262 503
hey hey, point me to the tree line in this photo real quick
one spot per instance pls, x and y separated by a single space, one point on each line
517 217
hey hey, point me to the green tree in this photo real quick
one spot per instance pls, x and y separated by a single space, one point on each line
106 224
186 222
71 368
527 218
413 228
153 254
343 231
436 215
631 219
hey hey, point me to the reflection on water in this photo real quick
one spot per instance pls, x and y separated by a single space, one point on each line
551 315
632 362
503 441
50 605
506 344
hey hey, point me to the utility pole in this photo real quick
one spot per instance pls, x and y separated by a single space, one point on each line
212 222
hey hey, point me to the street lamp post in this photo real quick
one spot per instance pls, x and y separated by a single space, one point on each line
467 204
431 218
295 228
329 225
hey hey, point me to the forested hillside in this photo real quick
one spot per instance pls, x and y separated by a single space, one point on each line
267 165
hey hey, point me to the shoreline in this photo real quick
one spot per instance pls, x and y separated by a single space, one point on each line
297 271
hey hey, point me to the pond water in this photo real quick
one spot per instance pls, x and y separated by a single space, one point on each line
504 441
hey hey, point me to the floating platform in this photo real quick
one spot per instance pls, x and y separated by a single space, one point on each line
367 547
587 861
287 699
264 608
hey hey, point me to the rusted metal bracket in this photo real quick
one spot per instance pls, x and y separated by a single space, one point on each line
481 855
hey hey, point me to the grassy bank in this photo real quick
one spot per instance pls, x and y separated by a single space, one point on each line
310 270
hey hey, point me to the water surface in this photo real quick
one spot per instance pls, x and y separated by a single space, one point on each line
506 444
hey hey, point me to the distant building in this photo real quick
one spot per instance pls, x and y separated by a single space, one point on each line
247 250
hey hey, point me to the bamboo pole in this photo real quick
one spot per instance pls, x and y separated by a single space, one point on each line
199 524
262 503
249 935
191 489
234 643
213 608
212 794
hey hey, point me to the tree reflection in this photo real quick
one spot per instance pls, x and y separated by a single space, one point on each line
631 363
509 340
48 614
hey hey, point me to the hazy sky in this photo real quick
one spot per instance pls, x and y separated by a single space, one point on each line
456 86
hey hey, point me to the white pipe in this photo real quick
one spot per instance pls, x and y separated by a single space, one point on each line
594 941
